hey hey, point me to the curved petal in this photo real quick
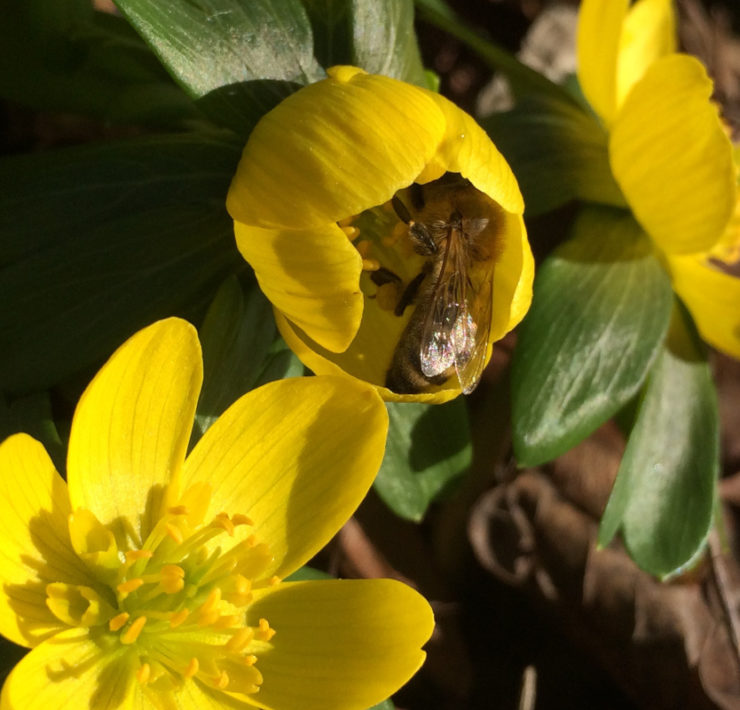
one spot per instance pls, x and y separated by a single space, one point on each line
333 149
467 149
297 456
340 643
512 280
70 670
671 157
599 33
131 428
713 299
35 548
310 275
367 359
648 33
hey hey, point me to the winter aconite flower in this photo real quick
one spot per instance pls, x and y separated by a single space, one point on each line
153 580
668 152
325 199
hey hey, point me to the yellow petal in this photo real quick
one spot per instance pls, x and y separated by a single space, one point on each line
131 428
70 670
599 34
334 149
311 276
648 33
340 644
713 299
467 149
297 456
671 157
367 360
35 548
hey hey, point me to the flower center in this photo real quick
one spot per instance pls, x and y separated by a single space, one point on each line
175 606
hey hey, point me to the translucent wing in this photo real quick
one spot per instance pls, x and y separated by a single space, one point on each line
458 321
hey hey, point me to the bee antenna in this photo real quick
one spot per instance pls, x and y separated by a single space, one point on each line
401 210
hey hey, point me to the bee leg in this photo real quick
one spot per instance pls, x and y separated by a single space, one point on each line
416 195
409 293
384 276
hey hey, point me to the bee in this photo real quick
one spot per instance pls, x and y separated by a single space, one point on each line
459 229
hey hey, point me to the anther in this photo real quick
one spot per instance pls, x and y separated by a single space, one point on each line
132 632
370 264
240 640
250 660
118 621
178 510
264 632
241 519
175 533
351 232
130 585
222 681
136 555
274 580
144 673
192 668
179 617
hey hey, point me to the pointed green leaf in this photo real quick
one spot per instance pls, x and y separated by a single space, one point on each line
62 55
428 448
238 337
664 494
377 35
238 58
558 151
600 312
97 242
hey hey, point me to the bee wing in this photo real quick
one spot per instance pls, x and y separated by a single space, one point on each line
471 359
458 322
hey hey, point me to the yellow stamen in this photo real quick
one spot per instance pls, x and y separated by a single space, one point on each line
130 585
370 264
178 510
172 578
175 533
227 621
363 248
132 632
240 640
265 632
119 621
274 580
222 680
250 660
135 555
241 519
222 520
144 673
351 232
178 617
192 668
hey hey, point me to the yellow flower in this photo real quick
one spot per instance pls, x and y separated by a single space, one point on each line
313 214
153 580
668 151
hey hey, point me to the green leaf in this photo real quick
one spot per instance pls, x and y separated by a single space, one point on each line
239 340
97 242
377 35
523 79
664 495
63 56
306 574
600 311
238 58
558 151
428 448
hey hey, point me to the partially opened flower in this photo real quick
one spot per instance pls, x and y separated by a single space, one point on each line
668 151
362 203
153 580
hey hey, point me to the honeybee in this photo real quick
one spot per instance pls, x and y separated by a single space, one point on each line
460 230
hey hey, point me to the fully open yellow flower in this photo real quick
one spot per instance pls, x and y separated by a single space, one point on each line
668 151
311 202
153 580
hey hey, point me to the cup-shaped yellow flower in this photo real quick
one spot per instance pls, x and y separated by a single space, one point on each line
669 152
362 203
153 580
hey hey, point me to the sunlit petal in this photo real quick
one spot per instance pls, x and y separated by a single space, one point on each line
648 33
345 644
311 276
297 456
672 158
132 425
35 548
713 298
599 35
